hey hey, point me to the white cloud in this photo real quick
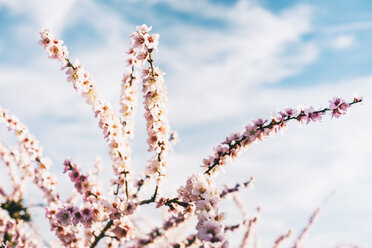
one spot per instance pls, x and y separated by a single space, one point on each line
255 50
342 42
218 67
42 13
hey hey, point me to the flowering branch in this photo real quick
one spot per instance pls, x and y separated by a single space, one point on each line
281 238
31 153
128 101
311 222
248 233
108 120
155 94
237 142
83 183
157 233
226 191
10 158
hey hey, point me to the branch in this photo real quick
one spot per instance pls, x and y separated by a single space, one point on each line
102 234
83 83
311 222
237 142
159 232
247 235
152 199
281 238
228 191
141 182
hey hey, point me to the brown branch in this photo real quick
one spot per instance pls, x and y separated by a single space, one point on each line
102 234
159 232
248 233
152 199
228 191
140 184
69 64
176 201
282 237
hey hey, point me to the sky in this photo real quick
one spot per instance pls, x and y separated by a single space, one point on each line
226 63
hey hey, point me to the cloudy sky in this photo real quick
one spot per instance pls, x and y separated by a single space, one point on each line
227 62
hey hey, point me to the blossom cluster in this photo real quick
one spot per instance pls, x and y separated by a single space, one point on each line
73 215
202 190
54 46
83 183
69 236
90 215
128 101
157 123
9 157
13 233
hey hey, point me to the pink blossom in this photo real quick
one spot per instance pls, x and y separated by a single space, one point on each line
291 112
142 56
87 213
338 107
138 40
130 208
64 217
72 209
210 230
74 175
67 164
357 98
46 38
122 231
143 29
313 115
232 139
77 217
208 161
220 150
152 41
58 51
131 61
259 122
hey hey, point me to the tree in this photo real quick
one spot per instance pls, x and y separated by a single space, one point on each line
110 215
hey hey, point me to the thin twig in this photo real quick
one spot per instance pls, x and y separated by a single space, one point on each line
152 199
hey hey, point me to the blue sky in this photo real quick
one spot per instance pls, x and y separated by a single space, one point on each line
351 18
227 62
